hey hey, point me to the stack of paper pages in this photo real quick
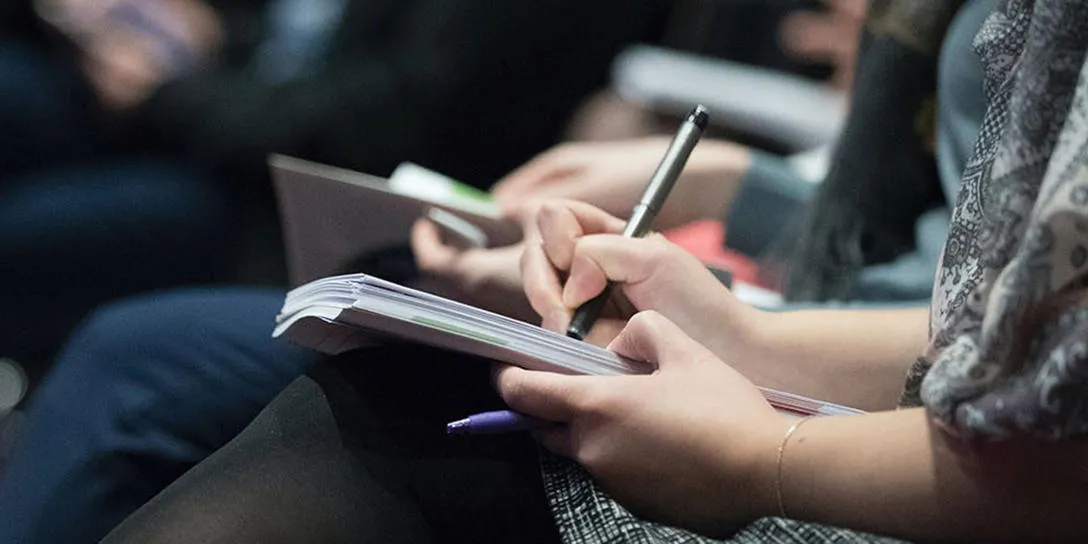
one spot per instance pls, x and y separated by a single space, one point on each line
340 313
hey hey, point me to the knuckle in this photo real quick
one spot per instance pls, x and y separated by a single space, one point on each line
513 390
591 456
582 251
588 458
562 152
529 209
594 402
425 261
531 262
658 249
525 261
534 291
657 238
550 209
645 321
575 399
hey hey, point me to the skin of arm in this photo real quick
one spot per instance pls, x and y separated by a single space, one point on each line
827 354
897 473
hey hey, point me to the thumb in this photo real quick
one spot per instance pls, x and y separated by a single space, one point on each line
651 337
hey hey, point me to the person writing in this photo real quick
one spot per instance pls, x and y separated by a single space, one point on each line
986 443
702 407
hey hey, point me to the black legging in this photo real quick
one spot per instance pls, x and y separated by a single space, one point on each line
356 452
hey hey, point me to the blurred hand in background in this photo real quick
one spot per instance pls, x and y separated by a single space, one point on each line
612 176
829 36
129 47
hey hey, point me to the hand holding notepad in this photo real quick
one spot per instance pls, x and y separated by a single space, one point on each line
341 313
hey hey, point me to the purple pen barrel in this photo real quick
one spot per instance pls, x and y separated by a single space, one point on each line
501 421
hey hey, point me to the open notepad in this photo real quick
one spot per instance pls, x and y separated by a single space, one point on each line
340 313
332 216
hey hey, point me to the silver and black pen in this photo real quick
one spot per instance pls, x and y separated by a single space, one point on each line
642 217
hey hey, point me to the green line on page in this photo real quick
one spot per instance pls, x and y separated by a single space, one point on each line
433 323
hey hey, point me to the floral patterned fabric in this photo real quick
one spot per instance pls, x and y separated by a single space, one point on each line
1009 351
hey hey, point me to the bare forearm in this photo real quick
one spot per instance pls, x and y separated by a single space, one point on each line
893 473
852 357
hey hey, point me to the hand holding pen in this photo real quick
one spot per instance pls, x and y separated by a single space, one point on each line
642 217
583 320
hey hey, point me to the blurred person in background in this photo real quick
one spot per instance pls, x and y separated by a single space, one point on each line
85 216
470 88
816 40
209 89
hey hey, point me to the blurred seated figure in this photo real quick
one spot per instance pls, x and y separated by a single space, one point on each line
361 84
813 43
143 399
207 89
83 219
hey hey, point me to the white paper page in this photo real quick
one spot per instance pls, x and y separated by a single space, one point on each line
492 321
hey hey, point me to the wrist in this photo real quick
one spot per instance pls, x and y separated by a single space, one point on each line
770 351
765 487
740 334
779 468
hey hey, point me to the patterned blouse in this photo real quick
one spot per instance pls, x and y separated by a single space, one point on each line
1009 317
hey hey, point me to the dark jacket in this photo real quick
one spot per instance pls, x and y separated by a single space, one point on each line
19 22
471 88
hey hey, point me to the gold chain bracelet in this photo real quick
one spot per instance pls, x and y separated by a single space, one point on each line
781 450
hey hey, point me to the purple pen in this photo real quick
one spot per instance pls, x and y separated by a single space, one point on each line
501 421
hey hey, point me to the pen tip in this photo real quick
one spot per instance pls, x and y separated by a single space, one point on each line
700 116
457 427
